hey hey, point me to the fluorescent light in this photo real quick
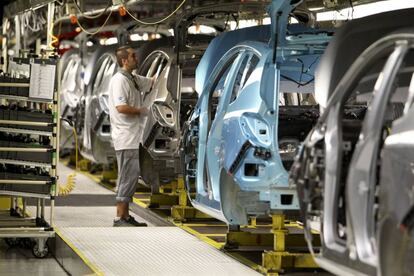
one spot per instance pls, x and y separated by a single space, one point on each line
266 21
365 10
111 41
135 37
201 29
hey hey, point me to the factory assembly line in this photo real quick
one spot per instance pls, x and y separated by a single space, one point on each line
271 137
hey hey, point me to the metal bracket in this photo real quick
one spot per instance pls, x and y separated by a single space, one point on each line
279 12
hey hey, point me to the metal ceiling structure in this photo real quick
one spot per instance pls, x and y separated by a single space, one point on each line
105 18
154 8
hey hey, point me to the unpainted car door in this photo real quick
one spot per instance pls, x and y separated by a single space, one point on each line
396 193
71 94
362 179
97 122
100 95
336 170
162 109
71 84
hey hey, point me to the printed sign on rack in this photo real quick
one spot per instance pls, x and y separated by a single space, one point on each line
42 81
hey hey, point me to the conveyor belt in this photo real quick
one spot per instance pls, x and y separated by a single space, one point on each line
152 250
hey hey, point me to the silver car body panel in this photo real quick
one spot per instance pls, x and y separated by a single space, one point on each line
172 95
325 180
97 143
97 138
72 89
396 248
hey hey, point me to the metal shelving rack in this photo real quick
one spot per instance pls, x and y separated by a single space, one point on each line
15 224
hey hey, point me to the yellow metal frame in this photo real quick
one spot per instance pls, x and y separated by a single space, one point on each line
5 202
85 165
183 210
279 259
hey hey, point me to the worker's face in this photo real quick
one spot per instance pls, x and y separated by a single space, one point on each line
131 62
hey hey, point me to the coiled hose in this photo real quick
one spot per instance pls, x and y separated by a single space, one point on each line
64 190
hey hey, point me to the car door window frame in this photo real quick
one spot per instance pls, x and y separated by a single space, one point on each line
333 117
232 61
99 75
247 70
363 222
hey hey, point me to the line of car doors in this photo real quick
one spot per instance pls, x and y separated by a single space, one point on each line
97 139
97 142
339 172
153 66
170 101
71 94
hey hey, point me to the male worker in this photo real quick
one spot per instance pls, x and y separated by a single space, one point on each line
126 115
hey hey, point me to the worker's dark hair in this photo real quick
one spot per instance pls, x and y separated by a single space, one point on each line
122 53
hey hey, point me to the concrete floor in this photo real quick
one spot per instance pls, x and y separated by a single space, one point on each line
85 218
20 261
153 250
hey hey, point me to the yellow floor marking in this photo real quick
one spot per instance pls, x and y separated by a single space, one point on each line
139 202
201 237
246 261
80 254
204 224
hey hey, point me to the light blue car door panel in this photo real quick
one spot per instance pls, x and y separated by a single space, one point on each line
250 137
214 154
204 119
239 170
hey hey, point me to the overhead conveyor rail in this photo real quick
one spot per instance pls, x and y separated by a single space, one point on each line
29 144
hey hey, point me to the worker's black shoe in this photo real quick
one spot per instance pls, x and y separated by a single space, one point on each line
129 222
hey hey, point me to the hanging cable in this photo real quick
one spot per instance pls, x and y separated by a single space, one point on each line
159 21
92 16
99 29
352 9
55 39
295 81
64 190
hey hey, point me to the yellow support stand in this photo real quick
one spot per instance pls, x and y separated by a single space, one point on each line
281 239
280 258
110 173
165 195
158 200
184 211
85 165
5 203
236 238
